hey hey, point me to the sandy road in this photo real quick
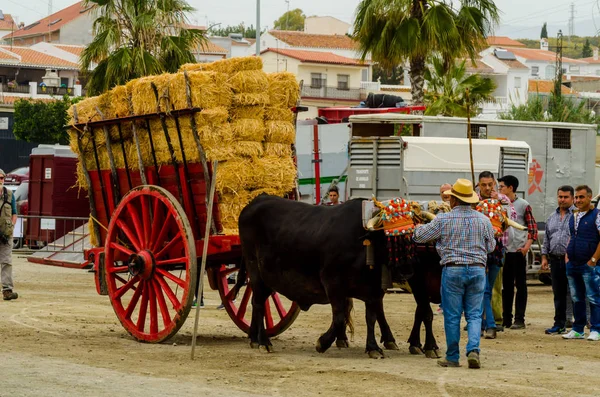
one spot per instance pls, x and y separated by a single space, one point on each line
61 338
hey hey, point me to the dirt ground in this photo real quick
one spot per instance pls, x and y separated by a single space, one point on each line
61 338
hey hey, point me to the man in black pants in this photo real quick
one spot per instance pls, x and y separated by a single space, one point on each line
515 266
553 251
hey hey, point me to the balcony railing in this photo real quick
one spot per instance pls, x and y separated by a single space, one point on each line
18 89
57 91
332 93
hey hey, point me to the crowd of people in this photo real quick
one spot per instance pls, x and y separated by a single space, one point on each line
481 272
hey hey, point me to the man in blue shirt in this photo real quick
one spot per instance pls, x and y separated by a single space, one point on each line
463 238
8 218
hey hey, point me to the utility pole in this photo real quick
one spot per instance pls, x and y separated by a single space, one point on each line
558 65
257 28
571 22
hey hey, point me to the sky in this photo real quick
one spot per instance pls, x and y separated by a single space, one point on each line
520 19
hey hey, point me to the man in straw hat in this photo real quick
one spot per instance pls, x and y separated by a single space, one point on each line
464 238
8 218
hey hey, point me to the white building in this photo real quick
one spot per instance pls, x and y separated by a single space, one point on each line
326 25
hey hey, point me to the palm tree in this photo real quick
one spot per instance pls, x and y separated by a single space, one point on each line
446 93
393 31
134 38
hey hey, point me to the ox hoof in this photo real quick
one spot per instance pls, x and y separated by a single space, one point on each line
254 345
415 350
376 354
320 348
391 346
342 344
266 349
434 353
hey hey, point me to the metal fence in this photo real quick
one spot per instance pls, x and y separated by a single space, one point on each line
332 93
19 89
51 234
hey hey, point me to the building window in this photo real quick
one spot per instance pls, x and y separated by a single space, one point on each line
517 82
597 72
561 138
316 80
478 131
535 70
343 82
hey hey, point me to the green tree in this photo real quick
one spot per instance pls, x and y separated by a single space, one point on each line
544 33
42 122
393 31
391 76
586 51
291 20
247 32
134 38
447 90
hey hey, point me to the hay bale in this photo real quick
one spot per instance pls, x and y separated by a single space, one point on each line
211 117
277 149
247 112
228 66
121 100
251 99
105 105
248 130
208 90
277 113
275 172
81 181
94 239
280 132
249 81
235 176
217 141
143 98
284 90
86 111
248 149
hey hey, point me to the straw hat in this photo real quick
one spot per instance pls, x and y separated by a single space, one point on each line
463 190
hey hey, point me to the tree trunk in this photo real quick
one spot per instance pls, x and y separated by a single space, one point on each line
417 81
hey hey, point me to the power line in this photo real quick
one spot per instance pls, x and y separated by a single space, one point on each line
548 11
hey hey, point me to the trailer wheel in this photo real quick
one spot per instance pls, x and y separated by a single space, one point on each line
150 263
238 309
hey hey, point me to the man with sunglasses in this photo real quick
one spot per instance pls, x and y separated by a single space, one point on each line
8 218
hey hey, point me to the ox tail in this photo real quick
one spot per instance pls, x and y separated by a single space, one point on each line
348 316
241 278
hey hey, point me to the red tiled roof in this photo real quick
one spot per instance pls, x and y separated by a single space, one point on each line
547 86
7 23
301 39
316 57
9 99
479 67
513 64
211 48
503 41
25 56
533 54
52 22
73 49
590 60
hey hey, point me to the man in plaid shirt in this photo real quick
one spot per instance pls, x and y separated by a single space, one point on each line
463 238
515 265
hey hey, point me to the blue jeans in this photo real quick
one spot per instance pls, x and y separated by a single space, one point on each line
584 281
462 290
486 306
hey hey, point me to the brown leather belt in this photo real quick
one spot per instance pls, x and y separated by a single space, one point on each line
452 264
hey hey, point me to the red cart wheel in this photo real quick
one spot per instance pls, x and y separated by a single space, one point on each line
286 311
150 260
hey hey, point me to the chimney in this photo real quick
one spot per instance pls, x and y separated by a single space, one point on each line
595 51
544 44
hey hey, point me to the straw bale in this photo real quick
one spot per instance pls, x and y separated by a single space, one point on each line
161 147
217 142
143 99
249 81
81 181
207 90
86 111
105 105
277 113
248 148
248 130
121 100
236 175
275 172
251 99
247 112
94 241
272 192
211 117
280 132
278 149
284 90
229 66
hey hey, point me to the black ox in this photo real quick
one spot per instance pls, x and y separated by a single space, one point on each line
317 255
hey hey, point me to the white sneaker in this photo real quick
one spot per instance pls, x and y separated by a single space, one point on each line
594 335
575 335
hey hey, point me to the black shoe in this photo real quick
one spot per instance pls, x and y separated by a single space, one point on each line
473 359
490 333
499 328
518 326
9 295
569 324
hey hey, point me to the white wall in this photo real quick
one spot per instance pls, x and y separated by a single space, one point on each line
273 62
48 48
269 41
78 31
325 25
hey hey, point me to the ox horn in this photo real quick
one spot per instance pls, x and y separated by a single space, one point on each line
374 223
427 215
514 224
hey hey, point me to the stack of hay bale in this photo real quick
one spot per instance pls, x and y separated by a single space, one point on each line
245 123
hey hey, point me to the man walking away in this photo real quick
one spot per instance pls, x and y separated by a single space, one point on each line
583 253
515 265
8 218
554 249
464 238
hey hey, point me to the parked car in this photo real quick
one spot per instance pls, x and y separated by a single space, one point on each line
14 178
22 201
